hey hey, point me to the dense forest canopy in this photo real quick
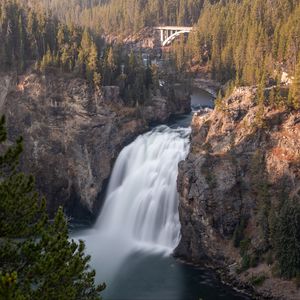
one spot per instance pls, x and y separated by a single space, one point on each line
31 36
132 15
123 17
247 38
242 40
246 42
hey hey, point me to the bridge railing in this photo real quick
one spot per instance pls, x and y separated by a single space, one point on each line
178 28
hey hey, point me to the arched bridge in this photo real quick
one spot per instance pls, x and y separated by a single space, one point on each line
169 33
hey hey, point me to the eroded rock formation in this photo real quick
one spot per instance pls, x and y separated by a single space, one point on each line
240 159
72 134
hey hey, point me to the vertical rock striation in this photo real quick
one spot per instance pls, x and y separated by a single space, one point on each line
238 162
72 135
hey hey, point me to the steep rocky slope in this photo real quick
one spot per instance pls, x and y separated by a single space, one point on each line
147 39
72 134
240 164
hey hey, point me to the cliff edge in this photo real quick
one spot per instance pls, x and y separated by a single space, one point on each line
242 164
73 134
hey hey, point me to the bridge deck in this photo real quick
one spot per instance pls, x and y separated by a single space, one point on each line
181 28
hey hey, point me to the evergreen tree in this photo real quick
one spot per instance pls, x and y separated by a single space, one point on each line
66 58
109 66
179 53
37 258
92 65
32 34
294 94
46 60
260 101
286 238
21 45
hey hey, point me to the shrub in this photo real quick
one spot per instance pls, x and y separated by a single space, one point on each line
258 280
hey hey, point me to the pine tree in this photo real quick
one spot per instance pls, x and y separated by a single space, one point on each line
294 94
32 33
37 258
83 53
46 60
286 238
65 58
97 80
92 62
180 54
272 97
60 37
21 45
181 18
109 66
260 101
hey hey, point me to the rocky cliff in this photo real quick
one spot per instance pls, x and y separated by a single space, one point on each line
242 160
72 134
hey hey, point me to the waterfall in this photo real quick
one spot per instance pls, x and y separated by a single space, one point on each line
142 200
140 212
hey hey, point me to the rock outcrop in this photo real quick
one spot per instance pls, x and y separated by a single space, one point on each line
238 154
147 40
159 108
207 85
72 135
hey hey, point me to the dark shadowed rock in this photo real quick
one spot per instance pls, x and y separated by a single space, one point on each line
232 154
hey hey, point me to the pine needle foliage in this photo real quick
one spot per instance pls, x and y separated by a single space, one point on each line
37 258
286 238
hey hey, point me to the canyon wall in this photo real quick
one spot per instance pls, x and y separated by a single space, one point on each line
242 163
73 134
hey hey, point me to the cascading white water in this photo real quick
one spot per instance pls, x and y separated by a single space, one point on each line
139 224
142 199
140 212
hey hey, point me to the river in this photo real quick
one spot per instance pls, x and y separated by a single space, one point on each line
138 228
201 99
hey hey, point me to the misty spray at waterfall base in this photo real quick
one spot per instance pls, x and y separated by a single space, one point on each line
140 213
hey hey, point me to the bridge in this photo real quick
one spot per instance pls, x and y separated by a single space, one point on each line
169 33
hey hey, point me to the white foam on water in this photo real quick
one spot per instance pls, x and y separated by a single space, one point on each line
140 212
